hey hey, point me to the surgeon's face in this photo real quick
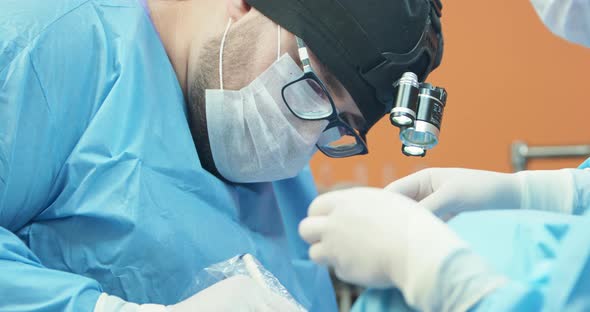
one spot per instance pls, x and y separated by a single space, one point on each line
250 48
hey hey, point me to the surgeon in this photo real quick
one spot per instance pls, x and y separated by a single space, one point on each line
143 141
527 249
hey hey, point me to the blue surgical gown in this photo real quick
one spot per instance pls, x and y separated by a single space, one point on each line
101 188
545 255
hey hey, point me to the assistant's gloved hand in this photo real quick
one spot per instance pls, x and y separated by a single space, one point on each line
377 238
238 293
449 191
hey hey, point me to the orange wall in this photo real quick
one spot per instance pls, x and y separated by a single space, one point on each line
508 78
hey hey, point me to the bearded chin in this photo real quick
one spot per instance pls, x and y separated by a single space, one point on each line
242 40
205 73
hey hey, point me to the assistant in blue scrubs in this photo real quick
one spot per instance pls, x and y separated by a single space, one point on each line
101 189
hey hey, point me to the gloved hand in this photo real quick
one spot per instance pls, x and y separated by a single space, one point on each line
238 293
377 238
449 191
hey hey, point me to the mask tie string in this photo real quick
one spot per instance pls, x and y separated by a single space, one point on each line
221 53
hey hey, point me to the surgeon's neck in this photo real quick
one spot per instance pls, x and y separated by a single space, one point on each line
185 25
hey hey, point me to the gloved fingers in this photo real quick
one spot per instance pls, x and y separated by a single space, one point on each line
318 254
416 186
441 203
324 204
312 228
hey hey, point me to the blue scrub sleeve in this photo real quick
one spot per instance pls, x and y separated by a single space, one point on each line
582 197
25 285
564 287
28 163
562 284
513 297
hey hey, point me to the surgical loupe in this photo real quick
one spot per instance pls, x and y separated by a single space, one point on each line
418 113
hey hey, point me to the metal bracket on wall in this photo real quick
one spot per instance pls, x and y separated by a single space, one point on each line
522 153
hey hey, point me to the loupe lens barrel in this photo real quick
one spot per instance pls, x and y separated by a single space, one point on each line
406 103
432 102
418 112
424 134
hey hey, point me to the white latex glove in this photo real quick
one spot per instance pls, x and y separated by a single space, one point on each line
235 294
449 191
376 238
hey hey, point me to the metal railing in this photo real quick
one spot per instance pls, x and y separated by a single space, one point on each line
522 153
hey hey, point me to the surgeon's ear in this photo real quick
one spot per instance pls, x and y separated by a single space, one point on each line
236 9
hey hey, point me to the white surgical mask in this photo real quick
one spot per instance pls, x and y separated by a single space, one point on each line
253 135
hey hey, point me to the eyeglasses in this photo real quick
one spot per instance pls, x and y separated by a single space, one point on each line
339 139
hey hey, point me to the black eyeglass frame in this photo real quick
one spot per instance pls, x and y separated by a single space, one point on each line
334 120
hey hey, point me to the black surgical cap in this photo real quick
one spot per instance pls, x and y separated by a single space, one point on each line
366 44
